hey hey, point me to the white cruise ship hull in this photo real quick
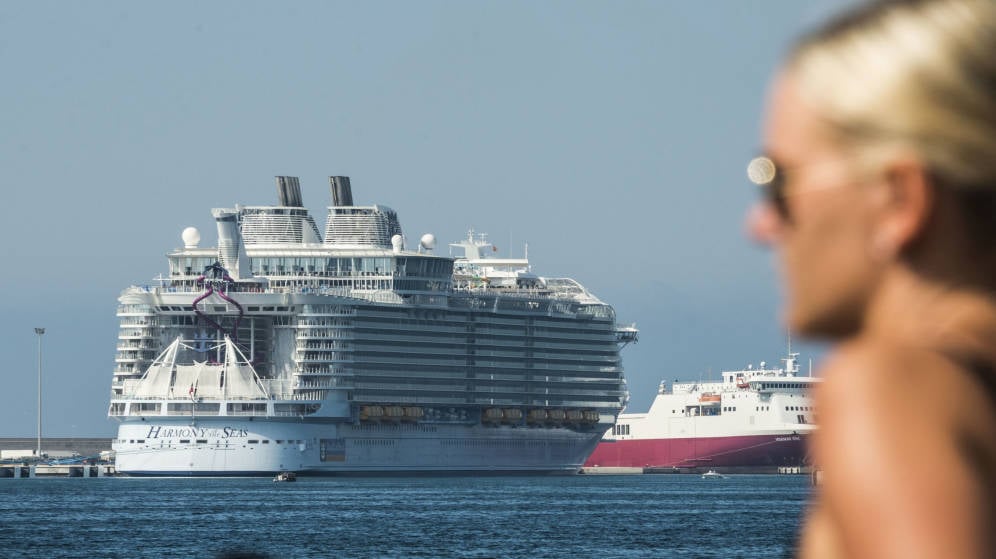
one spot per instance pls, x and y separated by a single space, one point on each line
249 448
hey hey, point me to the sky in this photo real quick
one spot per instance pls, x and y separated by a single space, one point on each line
612 137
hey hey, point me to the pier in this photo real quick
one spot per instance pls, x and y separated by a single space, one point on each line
60 457
25 470
697 470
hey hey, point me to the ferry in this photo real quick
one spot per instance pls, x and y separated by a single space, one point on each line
754 419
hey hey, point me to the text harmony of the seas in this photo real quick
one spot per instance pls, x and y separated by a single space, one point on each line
286 350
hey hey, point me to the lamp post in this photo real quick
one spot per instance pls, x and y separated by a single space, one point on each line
39 331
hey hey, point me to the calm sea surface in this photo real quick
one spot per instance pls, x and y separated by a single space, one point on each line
535 517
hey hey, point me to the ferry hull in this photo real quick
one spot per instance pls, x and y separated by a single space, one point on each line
258 448
730 451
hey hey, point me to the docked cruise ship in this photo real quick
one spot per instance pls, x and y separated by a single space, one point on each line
350 352
755 419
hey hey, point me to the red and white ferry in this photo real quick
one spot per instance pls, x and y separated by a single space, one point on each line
751 420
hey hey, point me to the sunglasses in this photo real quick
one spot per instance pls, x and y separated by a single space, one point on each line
772 178
763 172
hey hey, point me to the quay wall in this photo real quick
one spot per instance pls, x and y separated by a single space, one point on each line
83 445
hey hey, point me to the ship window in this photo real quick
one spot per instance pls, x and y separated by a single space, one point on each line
201 441
184 441
140 441
252 441
280 441
266 442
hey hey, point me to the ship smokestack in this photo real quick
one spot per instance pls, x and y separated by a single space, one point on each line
231 249
289 191
342 193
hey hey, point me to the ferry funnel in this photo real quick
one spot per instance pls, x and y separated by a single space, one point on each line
289 191
342 193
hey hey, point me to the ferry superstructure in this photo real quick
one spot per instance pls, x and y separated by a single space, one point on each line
283 349
751 419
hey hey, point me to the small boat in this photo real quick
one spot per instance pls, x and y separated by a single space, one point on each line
713 474
285 476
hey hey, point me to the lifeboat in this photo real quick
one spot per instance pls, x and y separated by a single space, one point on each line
710 398
412 413
491 415
536 416
575 416
371 413
511 415
394 413
742 382
556 416
591 416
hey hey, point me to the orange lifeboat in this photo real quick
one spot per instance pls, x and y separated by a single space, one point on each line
710 398
491 415
371 413
536 416
413 413
511 415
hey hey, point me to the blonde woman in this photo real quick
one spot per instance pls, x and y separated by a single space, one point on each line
879 176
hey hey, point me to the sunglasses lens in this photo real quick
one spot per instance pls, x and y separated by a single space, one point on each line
775 192
763 172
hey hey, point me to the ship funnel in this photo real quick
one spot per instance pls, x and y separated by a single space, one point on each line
342 193
231 250
289 191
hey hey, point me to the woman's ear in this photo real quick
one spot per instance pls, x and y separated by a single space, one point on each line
907 203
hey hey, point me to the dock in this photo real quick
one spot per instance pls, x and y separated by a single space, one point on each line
697 470
60 457
25 470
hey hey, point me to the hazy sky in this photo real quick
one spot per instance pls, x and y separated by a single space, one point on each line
610 136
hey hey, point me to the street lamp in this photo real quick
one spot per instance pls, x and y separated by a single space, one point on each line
39 331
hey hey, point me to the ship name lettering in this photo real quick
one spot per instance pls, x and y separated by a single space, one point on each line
158 431
233 432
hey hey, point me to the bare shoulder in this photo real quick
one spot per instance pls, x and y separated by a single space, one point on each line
893 425
909 381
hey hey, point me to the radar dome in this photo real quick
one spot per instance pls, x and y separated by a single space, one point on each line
397 242
428 241
191 236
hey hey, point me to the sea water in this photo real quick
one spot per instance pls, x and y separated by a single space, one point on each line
596 516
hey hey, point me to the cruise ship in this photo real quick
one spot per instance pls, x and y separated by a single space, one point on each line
283 349
755 419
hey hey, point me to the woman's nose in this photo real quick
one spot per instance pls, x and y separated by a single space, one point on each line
762 224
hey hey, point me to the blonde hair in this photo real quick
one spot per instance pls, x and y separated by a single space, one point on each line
915 75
